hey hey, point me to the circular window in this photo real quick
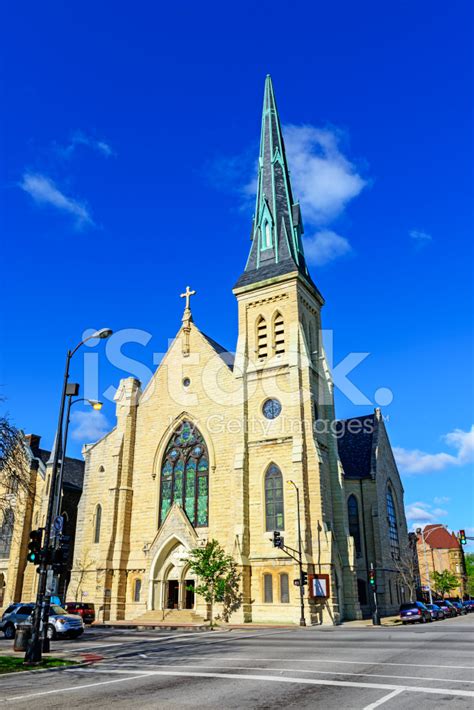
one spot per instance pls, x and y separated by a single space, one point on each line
186 382
271 408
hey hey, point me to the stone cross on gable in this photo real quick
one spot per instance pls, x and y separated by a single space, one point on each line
187 319
187 295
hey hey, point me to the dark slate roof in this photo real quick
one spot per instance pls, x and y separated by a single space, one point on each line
275 206
354 443
227 356
73 468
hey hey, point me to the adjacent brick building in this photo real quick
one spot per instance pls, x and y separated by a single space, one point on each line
441 551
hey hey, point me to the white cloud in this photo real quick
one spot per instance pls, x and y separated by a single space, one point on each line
44 192
89 426
416 461
325 246
323 179
420 514
420 237
81 139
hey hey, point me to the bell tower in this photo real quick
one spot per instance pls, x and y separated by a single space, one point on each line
287 390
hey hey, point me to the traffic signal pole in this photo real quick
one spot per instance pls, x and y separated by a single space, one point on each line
373 584
36 644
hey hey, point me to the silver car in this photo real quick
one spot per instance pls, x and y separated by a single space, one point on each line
60 623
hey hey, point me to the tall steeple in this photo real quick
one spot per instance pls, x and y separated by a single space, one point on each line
277 225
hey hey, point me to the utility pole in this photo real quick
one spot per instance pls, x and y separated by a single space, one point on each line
300 556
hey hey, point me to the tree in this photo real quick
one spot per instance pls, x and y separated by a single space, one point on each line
469 559
409 573
82 565
218 578
444 582
14 471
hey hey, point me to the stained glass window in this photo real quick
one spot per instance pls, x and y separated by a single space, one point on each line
185 475
274 514
267 588
392 525
354 524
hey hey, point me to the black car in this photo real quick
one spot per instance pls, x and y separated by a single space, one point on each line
413 612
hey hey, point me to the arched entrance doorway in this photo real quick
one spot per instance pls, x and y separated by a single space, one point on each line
171 582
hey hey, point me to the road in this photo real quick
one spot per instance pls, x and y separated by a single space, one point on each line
331 668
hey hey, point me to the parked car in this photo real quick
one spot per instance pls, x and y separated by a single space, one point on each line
459 606
13 615
60 623
446 606
411 612
469 605
86 611
436 612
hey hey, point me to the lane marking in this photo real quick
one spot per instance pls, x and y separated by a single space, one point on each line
291 670
251 677
68 690
383 700
145 640
330 660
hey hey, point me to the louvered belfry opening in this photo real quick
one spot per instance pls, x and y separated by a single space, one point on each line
279 334
262 338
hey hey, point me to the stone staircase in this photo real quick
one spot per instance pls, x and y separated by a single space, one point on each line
168 617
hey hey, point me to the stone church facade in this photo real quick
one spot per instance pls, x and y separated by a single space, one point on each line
216 444
208 448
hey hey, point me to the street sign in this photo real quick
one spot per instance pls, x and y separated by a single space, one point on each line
58 523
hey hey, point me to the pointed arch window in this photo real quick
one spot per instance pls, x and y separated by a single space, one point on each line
278 334
185 475
274 510
262 338
6 532
354 522
392 524
97 523
266 235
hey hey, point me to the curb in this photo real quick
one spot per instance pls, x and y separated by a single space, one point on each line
156 627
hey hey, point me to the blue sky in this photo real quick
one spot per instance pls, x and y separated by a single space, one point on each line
129 150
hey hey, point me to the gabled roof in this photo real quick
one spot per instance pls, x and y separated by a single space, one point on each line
73 468
277 228
355 439
440 538
227 356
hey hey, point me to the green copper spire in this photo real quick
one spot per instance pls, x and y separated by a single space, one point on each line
277 226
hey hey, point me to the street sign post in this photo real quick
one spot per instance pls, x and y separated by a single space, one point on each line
58 523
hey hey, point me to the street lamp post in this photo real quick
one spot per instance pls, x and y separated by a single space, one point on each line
41 612
300 554
421 532
97 406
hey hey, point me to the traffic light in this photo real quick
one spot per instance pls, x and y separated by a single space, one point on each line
34 547
462 537
61 554
277 539
304 578
372 578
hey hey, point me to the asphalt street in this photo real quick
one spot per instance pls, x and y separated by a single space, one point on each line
341 667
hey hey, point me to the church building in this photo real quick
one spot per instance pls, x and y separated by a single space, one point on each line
208 449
